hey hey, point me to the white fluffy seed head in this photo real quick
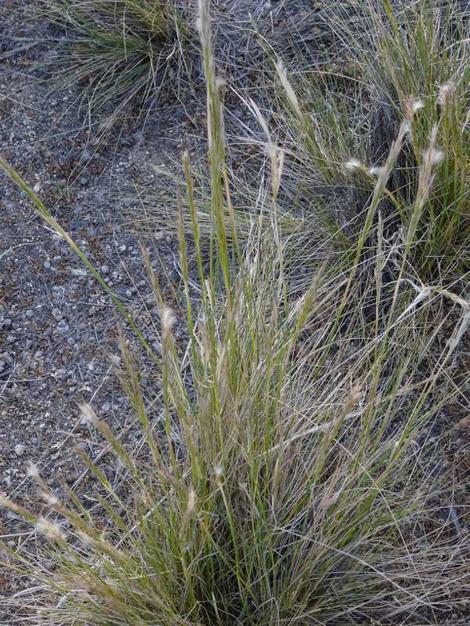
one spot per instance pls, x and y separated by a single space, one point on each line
50 529
168 319
220 83
191 502
412 106
433 157
88 416
417 105
290 93
353 165
377 171
280 66
115 359
446 92
49 498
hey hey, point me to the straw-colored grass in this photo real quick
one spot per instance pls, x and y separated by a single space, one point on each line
291 480
401 62
123 53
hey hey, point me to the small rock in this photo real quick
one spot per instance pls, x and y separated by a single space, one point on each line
29 313
11 338
47 265
6 323
63 327
105 407
19 449
78 272
61 374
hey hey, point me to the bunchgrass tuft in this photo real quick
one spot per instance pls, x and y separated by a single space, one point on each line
123 53
380 142
291 478
407 64
290 485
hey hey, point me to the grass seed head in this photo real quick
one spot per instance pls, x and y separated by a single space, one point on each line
49 529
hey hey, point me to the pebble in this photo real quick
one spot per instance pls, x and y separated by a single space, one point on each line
29 313
63 327
19 449
78 272
11 338
6 323
61 374
47 265
105 407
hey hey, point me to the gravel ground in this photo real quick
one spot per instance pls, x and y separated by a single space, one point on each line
57 328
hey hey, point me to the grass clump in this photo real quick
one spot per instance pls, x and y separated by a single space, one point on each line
381 137
292 477
400 62
285 491
123 53
290 480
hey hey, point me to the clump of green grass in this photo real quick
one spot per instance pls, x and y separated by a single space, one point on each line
384 137
123 53
411 62
292 481
288 487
